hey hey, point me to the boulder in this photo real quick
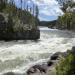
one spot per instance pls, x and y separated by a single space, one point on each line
35 69
30 71
49 63
40 68
55 56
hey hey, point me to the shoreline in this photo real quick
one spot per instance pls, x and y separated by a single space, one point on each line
46 68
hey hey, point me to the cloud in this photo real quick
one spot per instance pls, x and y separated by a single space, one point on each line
46 8
49 7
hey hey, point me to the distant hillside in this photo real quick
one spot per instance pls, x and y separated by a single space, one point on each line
49 24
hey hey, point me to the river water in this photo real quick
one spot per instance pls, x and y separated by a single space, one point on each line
17 56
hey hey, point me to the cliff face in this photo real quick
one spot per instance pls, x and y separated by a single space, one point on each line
27 35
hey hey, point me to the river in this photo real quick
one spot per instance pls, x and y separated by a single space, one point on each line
17 56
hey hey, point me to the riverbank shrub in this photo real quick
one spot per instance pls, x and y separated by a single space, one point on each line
67 65
67 21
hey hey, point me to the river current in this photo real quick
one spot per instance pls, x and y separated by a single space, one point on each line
17 56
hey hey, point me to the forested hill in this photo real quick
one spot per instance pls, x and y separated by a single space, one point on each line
18 23
49 24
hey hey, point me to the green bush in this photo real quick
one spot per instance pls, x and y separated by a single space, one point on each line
67 65
67 21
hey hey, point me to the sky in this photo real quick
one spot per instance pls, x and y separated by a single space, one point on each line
48 9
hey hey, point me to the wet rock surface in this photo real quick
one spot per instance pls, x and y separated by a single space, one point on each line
55 56
37 68
45 68
49 63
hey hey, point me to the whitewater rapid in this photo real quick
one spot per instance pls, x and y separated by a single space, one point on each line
19 55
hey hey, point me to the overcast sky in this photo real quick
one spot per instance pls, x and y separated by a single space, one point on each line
48 9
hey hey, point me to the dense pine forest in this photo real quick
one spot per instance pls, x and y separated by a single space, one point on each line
18 22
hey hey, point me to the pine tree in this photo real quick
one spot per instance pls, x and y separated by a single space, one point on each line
37 11
21 3
33 9
2 5
27 8
10 25
24 4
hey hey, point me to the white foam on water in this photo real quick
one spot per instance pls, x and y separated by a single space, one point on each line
19 55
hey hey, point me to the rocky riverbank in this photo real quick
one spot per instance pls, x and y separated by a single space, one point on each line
47 67
26 35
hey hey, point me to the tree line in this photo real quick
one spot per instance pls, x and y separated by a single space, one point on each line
34 9
67 21
18 19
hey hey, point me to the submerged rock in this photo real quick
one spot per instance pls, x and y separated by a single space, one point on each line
9 73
